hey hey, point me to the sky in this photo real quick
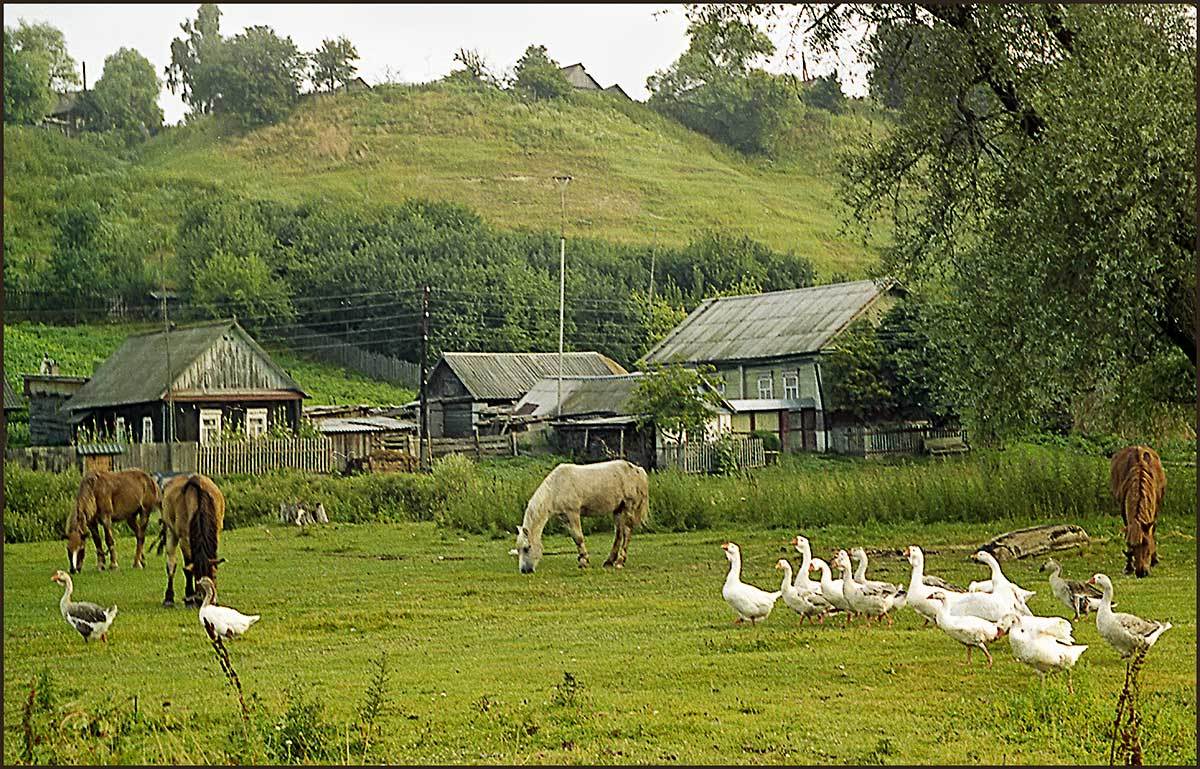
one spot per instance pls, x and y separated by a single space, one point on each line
415 43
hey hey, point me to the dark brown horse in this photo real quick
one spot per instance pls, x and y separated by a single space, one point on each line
193 514
1139 483
104 497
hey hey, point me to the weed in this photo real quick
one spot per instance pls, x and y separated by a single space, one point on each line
375 703
570 693
1126 741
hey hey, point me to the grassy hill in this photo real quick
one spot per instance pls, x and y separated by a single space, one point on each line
634 171
80 349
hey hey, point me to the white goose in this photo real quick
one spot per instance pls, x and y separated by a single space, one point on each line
1079 597
794 598
994 605
860 576
91 620
1043 653
831 589
972 632
221 621
920 587
809 589
864 599
749 602
1124 632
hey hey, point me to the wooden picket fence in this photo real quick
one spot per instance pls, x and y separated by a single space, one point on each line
698 457
312 454
904 440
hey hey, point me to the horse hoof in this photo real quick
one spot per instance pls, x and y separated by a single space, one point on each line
608 564
168 603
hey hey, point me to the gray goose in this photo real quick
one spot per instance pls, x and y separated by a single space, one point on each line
1080 597
91 620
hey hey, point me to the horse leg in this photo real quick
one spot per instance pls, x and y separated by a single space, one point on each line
108 538
575 529
94 528
626 531
169 599
139 522
1153 548
614 555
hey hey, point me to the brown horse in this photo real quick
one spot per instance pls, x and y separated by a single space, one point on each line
193 514
104 497
1138 482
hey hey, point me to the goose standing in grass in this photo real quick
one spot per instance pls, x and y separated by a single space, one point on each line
1124 632
1079 597
920 586
1043 652
91 620
999 583
831 589
860 576
748 601
864 599
993 605
221 621
794 598
970 631
809 589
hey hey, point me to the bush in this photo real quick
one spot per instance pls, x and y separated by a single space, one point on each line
770 439
37 503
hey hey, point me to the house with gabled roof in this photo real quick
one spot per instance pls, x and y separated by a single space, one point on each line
768 350
214 374
466 388
580 79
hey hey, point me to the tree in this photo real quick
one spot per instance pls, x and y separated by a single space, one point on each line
126 95
259 75
48 41
27 94
1039 183
714 88
537 76
825 93
678 400
475 68
195 58
333 63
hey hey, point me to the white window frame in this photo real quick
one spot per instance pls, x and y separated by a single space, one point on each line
210 434
768 392
721 386
256 422
120 431
147 429
791 386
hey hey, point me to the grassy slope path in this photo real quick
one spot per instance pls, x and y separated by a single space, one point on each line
476 651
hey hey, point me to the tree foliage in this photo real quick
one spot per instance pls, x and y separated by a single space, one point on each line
333 63
126 95
537 76
259 75
1039 184
825 93
195 59
27 95
475 69
677 400
47 41
715 88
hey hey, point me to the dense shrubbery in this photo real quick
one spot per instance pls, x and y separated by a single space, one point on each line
1028 482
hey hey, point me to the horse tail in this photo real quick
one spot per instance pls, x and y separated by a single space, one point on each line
162 537
638 505
202 529
1140 497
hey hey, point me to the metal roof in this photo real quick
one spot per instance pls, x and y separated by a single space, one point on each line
11 399
136 372
743 405
363 425
99 449
581 395
509 375
774 324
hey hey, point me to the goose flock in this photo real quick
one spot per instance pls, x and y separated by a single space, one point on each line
980 615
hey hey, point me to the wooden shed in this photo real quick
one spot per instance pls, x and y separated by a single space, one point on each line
49 420
218 378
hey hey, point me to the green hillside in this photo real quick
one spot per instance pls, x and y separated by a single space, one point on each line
80 349
633 170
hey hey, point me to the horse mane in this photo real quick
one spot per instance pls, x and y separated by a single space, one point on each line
85 504
202 529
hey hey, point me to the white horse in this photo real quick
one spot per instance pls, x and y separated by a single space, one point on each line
617 488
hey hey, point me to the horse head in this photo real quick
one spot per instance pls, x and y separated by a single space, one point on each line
75 550
528 552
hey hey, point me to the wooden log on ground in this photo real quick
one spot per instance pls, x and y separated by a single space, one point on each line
1035 540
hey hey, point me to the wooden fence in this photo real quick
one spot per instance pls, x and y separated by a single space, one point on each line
700 457
893 441
312 454
478 446
333 349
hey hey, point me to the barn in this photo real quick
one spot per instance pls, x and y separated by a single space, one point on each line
467 387
215 374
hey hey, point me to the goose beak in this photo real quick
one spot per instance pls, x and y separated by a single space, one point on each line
725 546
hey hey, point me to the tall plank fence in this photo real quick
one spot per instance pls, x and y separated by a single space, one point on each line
893 441
702 457
334 349
312 454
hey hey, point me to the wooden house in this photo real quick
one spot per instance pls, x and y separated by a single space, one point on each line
49 421
466 387
12 401
768 349
580 79
218 378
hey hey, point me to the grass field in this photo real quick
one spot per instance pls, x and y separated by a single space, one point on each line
565 666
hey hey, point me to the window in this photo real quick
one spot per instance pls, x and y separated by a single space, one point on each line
256 422
210 425
721 386
147 430
791 386
766 387
120 434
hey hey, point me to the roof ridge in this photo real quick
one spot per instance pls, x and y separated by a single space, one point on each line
797 290
188 327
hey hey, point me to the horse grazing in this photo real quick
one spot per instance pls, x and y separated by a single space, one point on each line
104 497
193 513
1139 483
617 488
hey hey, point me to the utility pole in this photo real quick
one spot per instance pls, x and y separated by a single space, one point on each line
562 181
169 417
423 439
